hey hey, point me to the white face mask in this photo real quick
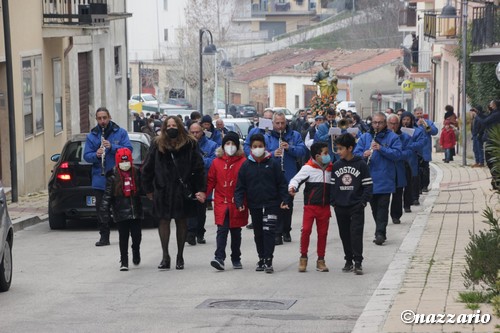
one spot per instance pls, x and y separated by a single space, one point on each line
258 152
230 149
125 166
311 120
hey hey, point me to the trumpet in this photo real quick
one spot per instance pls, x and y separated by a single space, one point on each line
371 149
280 141
344 123
103 156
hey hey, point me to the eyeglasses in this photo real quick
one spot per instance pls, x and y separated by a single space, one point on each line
378 122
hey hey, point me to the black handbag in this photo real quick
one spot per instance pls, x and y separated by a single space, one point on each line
186 190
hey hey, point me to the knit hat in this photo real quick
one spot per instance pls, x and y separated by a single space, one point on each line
206 119
123 154
232 136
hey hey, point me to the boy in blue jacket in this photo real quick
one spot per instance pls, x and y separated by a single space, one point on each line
262 183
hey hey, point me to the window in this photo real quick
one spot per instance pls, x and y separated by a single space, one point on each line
118 65
57 80
165 35
296 101
165 5
32 95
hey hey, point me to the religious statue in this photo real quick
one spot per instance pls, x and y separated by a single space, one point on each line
326 80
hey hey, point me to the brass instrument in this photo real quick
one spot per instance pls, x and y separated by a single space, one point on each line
280 141
371 149
103 156
344 123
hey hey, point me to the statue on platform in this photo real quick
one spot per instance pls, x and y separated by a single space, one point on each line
327 80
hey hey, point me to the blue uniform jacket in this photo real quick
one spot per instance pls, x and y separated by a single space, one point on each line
322 136
416 145
118 138
216 136
406 152
432 130
296 149
382 166
207 148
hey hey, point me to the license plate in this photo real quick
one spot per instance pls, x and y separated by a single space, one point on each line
90 201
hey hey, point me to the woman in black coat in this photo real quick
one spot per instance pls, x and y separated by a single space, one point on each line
173 169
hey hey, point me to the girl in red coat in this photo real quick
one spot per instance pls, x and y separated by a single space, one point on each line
448 140
222 177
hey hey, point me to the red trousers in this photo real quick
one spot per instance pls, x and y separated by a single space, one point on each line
322 215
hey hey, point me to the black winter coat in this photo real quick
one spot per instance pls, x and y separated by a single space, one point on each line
123 208
160 177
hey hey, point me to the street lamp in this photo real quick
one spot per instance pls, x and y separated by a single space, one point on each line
224 65
210 49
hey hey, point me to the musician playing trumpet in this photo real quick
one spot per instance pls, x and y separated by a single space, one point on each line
383 148
100 147
286 146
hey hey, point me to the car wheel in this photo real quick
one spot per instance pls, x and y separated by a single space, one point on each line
56 221
6 268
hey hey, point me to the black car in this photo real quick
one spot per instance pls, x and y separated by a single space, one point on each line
242 110
70 192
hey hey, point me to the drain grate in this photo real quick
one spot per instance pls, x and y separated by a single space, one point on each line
247 304
455 211
459 189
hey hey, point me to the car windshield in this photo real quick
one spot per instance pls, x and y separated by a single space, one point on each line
148 98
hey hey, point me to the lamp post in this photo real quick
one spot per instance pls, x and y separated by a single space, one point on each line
225 65
210 49
464 75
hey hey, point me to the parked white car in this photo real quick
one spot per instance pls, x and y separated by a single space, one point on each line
145 99
288 113
6 241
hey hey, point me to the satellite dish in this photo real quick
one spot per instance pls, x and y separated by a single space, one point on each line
408 41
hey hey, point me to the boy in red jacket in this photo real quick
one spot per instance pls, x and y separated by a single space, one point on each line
447 140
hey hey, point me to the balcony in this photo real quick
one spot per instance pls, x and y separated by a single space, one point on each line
408 18
485 27
445 30
418 61
270 8
75 12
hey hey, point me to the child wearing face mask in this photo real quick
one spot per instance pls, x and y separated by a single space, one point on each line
122 197
316 173
222 178
262 185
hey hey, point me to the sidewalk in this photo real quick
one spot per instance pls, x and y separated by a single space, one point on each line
425 275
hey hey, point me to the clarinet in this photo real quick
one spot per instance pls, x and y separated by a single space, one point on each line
282 152
103 156
371 149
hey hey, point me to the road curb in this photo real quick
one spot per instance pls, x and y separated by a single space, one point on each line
375 313
22 223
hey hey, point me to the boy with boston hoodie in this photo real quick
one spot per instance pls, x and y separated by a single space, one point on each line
350 192
122 197
263 186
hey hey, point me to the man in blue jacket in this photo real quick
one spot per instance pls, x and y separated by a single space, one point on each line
210 131
322 133
100 148
285 146
268 114
429 129
196 225
381 148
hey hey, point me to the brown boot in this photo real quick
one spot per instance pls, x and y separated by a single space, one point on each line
302 265
321 267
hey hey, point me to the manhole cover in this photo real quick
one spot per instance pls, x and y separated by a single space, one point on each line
459 189
247 304
455 211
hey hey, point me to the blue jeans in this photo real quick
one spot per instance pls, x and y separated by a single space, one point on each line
447 154
477 147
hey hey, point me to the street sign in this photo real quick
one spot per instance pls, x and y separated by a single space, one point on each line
407 86
419 85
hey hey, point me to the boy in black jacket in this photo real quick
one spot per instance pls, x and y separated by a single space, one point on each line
351 190
262 182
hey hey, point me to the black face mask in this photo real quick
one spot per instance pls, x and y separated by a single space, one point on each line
172 133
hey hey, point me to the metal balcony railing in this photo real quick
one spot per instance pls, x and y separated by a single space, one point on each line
485 26
270 7
439 28
420 60
75 12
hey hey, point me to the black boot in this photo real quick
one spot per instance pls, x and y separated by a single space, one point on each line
191 238
103 241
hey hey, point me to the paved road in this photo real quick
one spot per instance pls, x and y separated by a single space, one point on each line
63 283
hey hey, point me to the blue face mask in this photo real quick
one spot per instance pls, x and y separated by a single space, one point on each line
325 159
